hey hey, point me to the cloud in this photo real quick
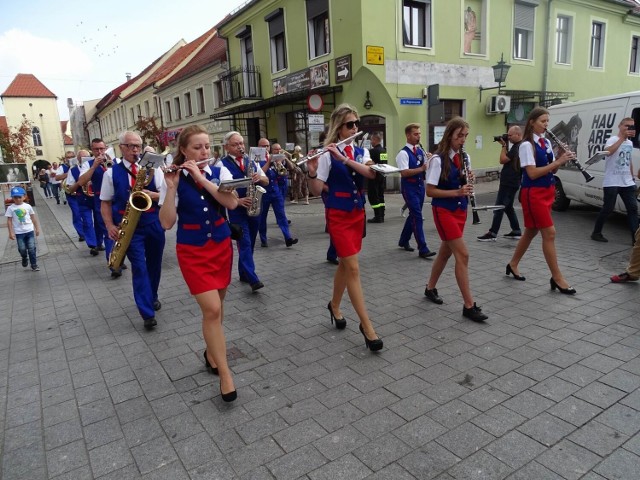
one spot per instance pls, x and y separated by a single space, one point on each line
23 52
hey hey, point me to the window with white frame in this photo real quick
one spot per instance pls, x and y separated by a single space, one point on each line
200 99
167 110
133 116
139 110
278 43
524 20
563 39
188 110
596 57
177 111
318 27
416 23
147 111
37 138
634 66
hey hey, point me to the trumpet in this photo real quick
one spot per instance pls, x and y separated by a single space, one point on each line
587 176
323 150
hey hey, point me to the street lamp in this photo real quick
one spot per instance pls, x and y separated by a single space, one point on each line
367 103
500 71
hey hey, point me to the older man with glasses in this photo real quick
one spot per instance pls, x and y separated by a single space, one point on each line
147 242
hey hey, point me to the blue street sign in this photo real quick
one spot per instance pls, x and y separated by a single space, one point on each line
410 101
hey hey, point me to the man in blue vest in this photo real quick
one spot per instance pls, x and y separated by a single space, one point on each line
412 162
71 200
237 163
147 240
84 203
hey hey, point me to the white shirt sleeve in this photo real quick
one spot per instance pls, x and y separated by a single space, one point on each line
71 180
402 160
526 154
225 174
324 166
106 191
434 170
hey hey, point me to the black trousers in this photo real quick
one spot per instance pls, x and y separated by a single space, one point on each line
375 191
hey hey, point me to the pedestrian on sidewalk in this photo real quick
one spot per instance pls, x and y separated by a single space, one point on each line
509 185
43 178
23 226
632 273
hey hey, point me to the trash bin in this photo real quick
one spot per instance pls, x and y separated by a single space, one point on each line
32 197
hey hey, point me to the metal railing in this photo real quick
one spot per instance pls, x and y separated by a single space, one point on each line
240 83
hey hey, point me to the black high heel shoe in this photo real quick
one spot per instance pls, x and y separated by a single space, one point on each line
210 369
373 345
228 397
566 291
341 323
510 271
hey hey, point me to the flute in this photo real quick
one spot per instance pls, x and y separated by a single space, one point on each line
323 150
175 168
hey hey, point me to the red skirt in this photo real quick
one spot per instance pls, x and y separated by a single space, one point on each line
207 267
536 206
346 230
450 225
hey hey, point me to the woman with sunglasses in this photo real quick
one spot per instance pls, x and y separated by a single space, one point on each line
342 169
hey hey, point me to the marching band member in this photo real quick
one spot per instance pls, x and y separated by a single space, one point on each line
237 163
536 195
72 201
203 247
449 206
343 170
147 241
85 204
412 162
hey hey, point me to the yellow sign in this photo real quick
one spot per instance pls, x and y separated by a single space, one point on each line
375 55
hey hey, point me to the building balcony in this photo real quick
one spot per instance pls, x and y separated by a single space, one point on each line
240 83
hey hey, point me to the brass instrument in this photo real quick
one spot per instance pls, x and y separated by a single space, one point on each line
254 192
323 150
278 160
65 188
138 202
87 189
563 146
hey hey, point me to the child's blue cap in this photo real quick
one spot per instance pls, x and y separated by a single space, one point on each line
18 192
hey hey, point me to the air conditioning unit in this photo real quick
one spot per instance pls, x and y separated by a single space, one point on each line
499 104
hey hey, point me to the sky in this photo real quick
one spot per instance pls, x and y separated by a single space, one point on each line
82 50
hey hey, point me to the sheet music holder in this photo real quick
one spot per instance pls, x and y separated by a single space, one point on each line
596 157
230 185
385 169
258 154
152 160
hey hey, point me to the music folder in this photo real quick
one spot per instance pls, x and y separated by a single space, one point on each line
385 169
596 157
230 185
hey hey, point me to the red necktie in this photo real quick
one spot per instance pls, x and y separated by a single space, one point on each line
134 173
415 150
542 143
456 160
240 163
349 151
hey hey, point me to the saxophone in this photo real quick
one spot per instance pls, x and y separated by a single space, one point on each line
254 192
138 202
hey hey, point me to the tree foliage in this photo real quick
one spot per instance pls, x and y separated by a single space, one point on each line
150 132
17 143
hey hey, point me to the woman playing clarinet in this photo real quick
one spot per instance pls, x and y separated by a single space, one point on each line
536 195
203 246
449 187
342 168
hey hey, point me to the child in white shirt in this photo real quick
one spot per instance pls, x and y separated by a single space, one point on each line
22 223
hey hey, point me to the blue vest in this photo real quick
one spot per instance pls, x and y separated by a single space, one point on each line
83 200
452 182
65 168
96 178
233 167
122 192
199 220
415 161
543 158
346 187
273 177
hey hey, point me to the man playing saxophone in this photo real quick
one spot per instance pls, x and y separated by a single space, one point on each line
238 163
147 240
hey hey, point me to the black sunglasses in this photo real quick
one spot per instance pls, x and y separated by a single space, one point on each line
350 125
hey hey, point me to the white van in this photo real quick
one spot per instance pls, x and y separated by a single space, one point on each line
585 126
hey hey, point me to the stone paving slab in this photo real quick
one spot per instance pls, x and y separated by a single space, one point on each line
548 388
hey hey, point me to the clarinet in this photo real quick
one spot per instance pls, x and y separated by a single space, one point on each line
587 176
465 179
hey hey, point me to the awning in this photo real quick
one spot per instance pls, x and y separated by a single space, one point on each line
284 99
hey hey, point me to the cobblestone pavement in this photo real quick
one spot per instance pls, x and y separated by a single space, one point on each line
546 389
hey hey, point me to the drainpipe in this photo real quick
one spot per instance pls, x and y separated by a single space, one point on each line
545 68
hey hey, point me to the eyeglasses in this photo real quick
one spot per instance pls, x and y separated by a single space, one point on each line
350 125
131 145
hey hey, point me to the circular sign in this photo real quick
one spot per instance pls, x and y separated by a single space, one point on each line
315 102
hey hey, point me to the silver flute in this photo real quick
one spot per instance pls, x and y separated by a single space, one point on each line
175 168
323 150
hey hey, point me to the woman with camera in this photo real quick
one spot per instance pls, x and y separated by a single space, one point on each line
509 184
191 196
538 191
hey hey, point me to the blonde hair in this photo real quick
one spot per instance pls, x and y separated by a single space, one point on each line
337 120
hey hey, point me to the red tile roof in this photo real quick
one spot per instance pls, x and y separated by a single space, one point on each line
214 50
27 85
3 124
173 61
65 138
